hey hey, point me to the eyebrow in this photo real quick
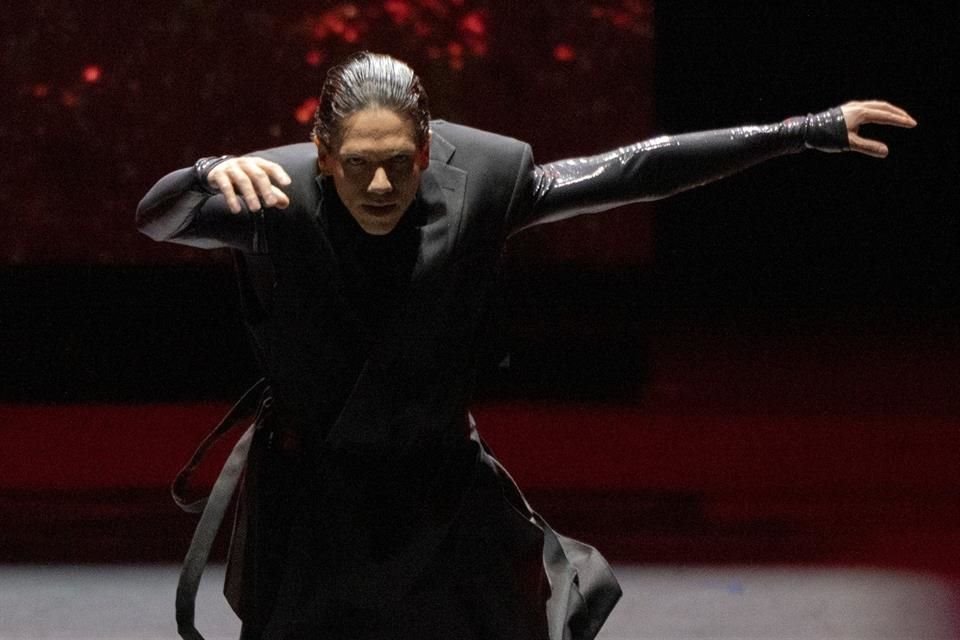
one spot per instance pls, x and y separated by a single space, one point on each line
385 154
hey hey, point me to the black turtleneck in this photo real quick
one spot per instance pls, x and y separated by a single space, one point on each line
375 270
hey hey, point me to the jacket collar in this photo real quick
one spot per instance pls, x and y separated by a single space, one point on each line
441 194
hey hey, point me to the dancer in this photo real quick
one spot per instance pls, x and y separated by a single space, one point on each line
370 507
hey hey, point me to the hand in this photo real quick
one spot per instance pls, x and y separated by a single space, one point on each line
872 112
254 178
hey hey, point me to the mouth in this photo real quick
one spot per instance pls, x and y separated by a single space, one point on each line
379 209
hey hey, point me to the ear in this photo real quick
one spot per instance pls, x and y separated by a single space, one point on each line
423 153
325 160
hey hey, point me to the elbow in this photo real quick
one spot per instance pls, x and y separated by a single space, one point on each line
159 220
167 207
148 222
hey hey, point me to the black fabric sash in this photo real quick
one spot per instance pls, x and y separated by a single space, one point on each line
214 506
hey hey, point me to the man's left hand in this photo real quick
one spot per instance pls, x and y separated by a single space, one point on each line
872 112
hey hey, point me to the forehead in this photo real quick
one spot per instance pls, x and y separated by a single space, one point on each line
377 130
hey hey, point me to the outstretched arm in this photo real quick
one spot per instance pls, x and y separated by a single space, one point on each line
663 166
214 203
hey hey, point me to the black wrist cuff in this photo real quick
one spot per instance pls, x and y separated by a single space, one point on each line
202 169
826 131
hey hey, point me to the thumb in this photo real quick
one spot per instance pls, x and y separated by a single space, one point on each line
866 146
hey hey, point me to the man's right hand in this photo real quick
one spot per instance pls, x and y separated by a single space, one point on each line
250 178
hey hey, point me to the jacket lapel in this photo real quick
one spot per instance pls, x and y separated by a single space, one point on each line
441 196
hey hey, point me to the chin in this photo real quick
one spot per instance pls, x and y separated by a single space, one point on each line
377 226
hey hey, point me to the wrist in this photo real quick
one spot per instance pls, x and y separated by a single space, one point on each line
826 131
202 169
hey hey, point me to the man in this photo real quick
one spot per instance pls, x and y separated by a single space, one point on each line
370 507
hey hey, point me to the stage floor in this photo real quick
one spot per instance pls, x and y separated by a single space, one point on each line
135 602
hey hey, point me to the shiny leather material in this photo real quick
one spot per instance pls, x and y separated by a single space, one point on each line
666 165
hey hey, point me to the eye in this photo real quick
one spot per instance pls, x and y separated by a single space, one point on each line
354 161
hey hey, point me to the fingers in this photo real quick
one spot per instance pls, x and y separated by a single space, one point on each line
243 184
250 180
281 201
275 171
219 180
883 113
876 112
873 148
886 107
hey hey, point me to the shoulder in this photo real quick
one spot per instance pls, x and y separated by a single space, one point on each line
300 162
467 147
299 157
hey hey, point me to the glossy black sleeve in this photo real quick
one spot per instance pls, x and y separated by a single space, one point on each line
666 165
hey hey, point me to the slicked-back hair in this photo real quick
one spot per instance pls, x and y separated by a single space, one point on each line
369 80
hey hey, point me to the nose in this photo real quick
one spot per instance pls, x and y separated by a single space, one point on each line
380 184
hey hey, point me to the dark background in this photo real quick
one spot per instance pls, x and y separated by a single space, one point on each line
764 368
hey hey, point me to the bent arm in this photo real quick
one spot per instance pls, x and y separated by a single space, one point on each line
663 166
180 209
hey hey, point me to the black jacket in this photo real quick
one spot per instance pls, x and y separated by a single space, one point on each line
389 466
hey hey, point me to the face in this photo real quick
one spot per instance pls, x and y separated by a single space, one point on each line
377 168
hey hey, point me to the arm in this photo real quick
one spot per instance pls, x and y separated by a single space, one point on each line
199 207
666 165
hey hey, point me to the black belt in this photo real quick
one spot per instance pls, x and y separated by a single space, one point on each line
213 507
